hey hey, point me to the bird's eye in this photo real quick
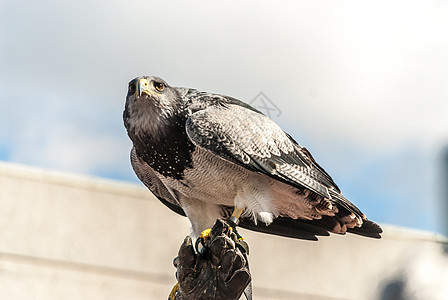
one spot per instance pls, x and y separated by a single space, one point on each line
132 88
159 86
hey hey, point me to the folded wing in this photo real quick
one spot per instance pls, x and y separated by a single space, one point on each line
252 140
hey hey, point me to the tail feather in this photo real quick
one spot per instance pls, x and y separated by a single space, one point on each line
286 227
311 229
341 201
368 229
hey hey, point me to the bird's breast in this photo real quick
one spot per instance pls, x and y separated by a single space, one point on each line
169 152
210 179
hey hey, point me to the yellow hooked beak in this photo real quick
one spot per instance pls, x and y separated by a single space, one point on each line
143 87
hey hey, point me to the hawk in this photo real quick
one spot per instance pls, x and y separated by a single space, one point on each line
206 156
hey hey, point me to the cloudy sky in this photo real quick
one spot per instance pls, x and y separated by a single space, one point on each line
362 84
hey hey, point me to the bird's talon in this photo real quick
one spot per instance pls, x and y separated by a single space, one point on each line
230 231
202 240
205 233
233 234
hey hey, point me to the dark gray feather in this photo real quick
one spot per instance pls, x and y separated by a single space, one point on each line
254 141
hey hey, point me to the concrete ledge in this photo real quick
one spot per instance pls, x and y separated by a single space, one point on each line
74 237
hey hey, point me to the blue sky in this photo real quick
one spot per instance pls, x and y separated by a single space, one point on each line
363 85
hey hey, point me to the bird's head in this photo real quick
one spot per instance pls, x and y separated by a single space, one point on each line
150 103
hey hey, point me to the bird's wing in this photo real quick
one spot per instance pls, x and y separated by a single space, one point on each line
146 174
250 139
255 142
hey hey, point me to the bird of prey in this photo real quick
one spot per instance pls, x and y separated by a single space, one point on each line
206 155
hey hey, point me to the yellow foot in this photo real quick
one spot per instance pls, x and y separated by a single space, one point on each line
205 233
201 241
231 232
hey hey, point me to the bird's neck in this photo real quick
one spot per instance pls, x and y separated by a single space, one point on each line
144 119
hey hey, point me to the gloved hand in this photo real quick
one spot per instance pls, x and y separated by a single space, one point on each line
218 273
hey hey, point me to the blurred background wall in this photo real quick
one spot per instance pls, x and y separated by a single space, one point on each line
75 237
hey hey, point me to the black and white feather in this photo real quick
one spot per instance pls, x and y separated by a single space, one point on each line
203 154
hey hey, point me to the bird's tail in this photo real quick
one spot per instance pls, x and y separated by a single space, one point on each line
311 229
